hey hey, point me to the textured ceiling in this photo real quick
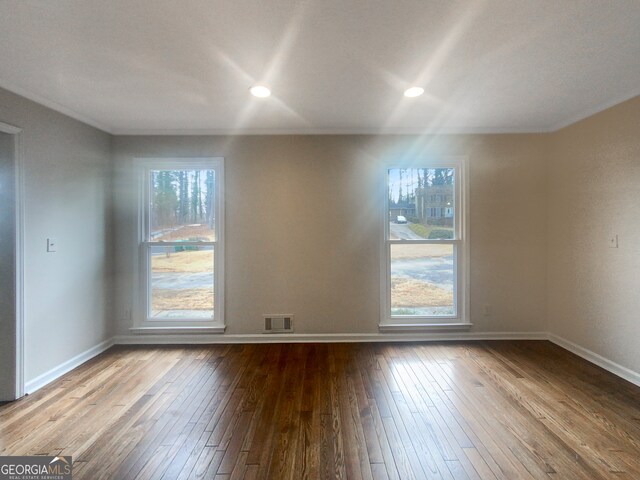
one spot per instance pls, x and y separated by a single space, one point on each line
334 66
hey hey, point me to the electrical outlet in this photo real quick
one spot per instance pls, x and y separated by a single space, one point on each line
52 245
613 241
486 309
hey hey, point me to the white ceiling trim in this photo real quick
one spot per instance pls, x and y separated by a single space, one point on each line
330 131
10 129
593 110
316 131
54 106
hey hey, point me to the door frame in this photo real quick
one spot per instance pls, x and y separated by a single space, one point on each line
18 155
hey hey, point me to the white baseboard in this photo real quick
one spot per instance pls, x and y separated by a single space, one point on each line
613 367
178 339
166 339
182 339
56 372
194 331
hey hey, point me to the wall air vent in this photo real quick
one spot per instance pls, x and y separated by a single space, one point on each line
278 323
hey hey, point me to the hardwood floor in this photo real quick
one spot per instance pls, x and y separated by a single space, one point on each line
448 410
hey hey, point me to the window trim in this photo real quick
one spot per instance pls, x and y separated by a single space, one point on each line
390 323
142 323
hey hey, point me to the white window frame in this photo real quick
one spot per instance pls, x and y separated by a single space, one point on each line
143 322
460 320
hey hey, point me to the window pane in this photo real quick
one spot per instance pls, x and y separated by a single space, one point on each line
421 203
182 205
422 279
182 282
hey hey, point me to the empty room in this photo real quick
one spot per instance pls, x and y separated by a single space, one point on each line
319 239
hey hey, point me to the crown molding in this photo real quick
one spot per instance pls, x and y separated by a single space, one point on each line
425 130
53 106
326 131
588 112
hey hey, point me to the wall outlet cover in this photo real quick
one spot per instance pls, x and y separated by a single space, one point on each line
52 245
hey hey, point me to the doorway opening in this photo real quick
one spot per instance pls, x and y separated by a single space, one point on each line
11 320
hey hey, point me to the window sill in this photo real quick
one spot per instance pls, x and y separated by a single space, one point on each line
177 330
422 327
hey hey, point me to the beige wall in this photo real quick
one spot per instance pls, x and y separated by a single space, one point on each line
67 195
302 225
594 193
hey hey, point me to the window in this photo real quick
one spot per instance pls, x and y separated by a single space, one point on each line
424 282
182 243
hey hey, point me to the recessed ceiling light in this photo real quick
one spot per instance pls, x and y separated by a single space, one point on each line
413 92
260 91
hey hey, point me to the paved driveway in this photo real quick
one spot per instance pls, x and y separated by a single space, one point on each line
182 281
435 270
401 231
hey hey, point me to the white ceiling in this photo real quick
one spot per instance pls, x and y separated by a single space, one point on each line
334 66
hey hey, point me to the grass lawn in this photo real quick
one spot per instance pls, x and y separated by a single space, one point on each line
407 251
191 299
406 292
191 261
201 231
425 230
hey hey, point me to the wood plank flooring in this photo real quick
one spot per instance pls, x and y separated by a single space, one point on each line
482 410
